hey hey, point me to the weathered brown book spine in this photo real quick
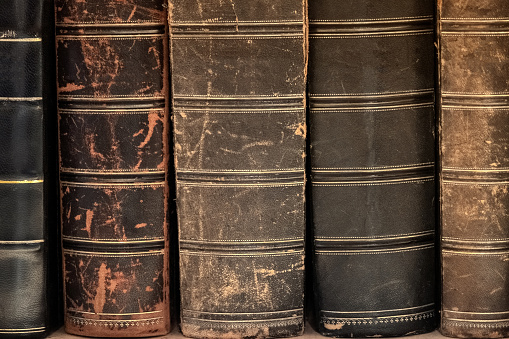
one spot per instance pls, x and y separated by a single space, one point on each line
113 127
372 155
474 153
238 91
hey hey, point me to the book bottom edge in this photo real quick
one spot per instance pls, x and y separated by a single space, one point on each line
277 328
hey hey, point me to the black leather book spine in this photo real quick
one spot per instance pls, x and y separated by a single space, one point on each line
371 104
474 153
26 289
238 91
113 100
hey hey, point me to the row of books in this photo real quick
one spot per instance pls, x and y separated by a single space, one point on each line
283 114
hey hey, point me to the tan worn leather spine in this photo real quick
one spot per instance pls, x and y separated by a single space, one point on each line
474 159
238 95
112 67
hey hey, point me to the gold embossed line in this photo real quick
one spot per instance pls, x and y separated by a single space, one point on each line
370 108
229 110
21 242
109 37
474 26
408 309
244 255
481 321
108 241
404 249
243 316
502 313
251 36
367 28
429 32
427 166
4 39
221 184
114 254
247 320
365 102
113 185
372 175
15 182
368 240
22 330
457 101
471 253
376 182
20 98
120 111
236 27
113 314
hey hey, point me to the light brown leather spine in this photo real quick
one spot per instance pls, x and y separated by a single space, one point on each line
474 159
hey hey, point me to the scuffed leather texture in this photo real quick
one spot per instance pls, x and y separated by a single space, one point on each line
27 262
238 90
474 40
371 115
113 126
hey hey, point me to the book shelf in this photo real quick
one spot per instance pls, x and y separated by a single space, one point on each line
309 333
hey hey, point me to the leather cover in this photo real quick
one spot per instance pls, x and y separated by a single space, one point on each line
474 146
113 125
27 261
238 81
371 99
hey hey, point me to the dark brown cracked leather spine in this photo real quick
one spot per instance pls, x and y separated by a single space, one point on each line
371 100
113 126
238 91
28 232
474 149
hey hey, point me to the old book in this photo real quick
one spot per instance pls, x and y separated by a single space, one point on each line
474 153
113 126
238 91
371 104
28 212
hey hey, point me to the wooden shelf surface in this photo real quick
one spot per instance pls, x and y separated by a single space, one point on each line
309 333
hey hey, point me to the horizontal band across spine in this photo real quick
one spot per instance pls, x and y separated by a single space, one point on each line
473 100
372 175
381 313
243 316
382 242
241 247
236 28
486 175
391 248
452 245
237 103
134 246
488 316
367 27
371 101
469 26
77 177
234 177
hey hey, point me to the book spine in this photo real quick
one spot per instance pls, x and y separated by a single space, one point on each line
371 104
238 91
26 292
474 156
113 126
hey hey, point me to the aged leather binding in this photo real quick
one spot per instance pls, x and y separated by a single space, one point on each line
113 125
371 100
28 260
474 129
238 91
